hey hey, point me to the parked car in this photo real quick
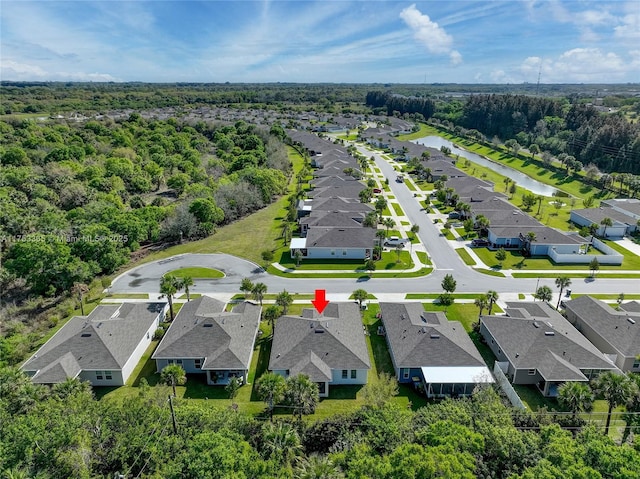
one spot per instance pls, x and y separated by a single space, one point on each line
377 190
479 242
395 241
400 178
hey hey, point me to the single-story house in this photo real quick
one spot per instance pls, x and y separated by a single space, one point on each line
335 243
630 206
434 354
103 348
330 347
204 339
533 344
615 333
330 219
622 222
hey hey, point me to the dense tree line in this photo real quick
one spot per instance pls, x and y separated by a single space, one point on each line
77 199
64 432
607 141
400 104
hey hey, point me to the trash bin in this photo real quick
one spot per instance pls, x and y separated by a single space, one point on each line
568 293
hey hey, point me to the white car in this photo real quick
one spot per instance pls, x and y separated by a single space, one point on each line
395 241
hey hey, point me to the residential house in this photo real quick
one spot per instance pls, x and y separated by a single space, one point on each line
102 348
434 354
614 332
330 348
534 345
204 339
330 219
335 243
622 222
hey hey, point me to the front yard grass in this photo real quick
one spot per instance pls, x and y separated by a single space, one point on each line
447 234
424 258
466 257
397 208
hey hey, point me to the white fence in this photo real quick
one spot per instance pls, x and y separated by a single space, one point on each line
609 256
506 386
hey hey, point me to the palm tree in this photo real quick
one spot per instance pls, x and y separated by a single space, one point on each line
258 292
562 282
544 293
302 394
360 295
388 223
614 388
539 198
481 303
576 397
317 467
271 389
594 266
492 297
282 441
173 375
185 283
606 222
169 286
285 300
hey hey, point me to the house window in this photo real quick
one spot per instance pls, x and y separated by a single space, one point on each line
178 361
499 351
405 373
171 361
345 373
107 375
532 372
197 363
333 252
354 374
344 252
99 375
636 364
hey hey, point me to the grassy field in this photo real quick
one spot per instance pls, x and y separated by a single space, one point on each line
197 273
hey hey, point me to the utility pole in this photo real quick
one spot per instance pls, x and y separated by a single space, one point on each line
173 416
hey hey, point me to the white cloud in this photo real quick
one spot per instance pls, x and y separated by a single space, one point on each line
630 28
581 65
15 71
429 33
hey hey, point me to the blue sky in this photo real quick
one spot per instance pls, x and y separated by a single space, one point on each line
509 41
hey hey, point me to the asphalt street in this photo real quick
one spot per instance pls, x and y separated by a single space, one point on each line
146 278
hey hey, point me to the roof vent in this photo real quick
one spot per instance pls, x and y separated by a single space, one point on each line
632 321
536 324
549 333
402 316
85 335
435 336
207 325
319 330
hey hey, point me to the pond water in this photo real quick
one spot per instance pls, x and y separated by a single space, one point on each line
520 178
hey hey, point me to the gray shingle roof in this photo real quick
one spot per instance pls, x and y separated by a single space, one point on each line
340 204
315 344
334 219
596 215
421 339
103 340
544 341
632 205
341 237
608 323
202 329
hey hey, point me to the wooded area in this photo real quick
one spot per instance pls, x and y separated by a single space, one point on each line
65 432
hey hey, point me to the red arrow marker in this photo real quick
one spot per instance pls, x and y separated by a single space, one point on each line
320 302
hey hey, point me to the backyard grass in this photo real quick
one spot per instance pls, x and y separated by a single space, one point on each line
466 257
197 273
465 313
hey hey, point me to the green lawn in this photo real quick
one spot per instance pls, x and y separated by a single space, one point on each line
447 234
424 258
197 273
390 260
466 313
515 260
397 208
437 295
465 235
466 257
410 186
490 272
128 296
577 275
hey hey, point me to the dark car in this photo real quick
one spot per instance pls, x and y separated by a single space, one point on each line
479 242
377 190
